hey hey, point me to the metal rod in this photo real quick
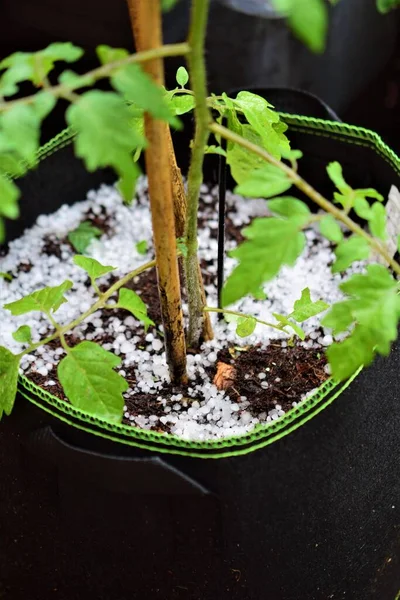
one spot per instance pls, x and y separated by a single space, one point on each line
221 223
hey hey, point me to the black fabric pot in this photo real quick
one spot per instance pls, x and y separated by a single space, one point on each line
246 45
313 516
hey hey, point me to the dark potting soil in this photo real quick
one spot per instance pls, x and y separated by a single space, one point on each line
52 245
260 378
291 371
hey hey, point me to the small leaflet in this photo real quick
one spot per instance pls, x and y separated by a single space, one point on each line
393 223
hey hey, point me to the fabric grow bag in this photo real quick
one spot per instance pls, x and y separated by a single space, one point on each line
306 508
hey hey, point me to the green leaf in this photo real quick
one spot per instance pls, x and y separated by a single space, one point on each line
264 183
46 300
23 334
182 246
286 322
377 221
81 237
350 198
9 365
215 150
288 206
34 66
271 243
62 51
142 247
19 68
167 5
330 229
138 87
129 300
362 207
370 193
308 20
90 383
181 103
335 172
182 76
348 251
265 121
21 125
11 165
92 267
374 308
107 54
346 200
9 194
104 136
339 318
304 308
384 6
245 326
137 126
6 276
259 294
292 154
265 130
242 161
74 80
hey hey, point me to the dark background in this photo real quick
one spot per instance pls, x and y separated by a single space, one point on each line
358 75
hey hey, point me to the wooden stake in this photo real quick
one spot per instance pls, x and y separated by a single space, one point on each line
178 189
146 22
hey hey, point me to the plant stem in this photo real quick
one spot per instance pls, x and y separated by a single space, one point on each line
244 315
146 22
307 189
104 71
180 210
100 303
196 63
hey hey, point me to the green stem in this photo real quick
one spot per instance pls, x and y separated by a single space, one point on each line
100 303
244 315
196 63
307 189
63 90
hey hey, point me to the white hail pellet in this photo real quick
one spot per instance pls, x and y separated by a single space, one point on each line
209 413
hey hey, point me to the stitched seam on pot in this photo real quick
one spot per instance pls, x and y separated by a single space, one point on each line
344 128
261 432
394 163
347 133
210 455
61 140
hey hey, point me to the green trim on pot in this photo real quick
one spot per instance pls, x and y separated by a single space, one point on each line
343 132
263 434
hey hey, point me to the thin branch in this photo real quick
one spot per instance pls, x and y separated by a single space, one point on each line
196 63
104 71
305 187
245 316
100 303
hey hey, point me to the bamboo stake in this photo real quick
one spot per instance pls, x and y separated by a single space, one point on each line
178 189
146 23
